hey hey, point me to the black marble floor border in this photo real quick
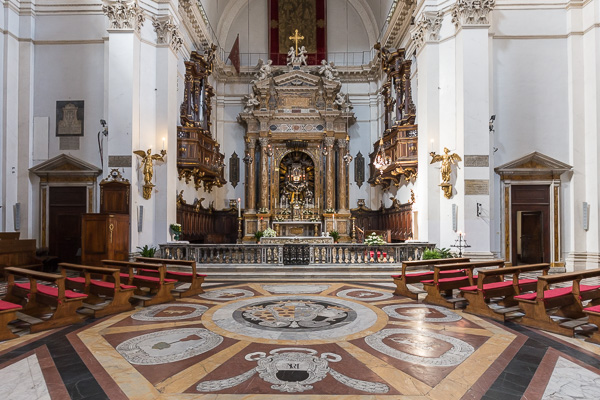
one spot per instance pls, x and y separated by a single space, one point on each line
77 378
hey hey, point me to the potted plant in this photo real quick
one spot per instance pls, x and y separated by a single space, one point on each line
147 251
175 231
258 235
432 254
335 235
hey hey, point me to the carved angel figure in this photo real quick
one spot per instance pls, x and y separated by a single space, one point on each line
302 55
342 101
291 56
265 70
447 161
327 70
147 163
251 102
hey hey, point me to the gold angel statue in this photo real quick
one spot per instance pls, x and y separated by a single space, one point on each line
148 168
447 161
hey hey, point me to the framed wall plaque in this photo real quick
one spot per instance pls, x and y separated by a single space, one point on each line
69 118
234 169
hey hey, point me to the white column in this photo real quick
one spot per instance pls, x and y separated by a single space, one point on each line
167 113
123 95
428 193
472 122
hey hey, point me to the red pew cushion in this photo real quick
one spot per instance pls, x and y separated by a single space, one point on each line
553 293
6 305
179 273
595 309
52 291
95 282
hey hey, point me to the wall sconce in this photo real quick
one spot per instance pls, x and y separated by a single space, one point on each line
492 119
247 159
148 168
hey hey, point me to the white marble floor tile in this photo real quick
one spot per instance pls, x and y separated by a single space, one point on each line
571 381
23 380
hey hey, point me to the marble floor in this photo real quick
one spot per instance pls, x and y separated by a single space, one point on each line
298 341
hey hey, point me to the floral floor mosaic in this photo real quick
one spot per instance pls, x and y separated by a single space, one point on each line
300 341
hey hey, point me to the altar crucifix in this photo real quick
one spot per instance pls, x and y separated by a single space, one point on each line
296 38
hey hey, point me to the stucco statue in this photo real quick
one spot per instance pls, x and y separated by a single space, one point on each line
447 160
328 71
251 103
302 55
265 70
291 56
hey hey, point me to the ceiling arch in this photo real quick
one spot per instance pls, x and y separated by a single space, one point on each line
234 7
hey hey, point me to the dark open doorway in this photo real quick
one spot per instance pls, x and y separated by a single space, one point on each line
530 221
66 205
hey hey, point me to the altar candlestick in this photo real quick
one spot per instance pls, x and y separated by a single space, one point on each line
163 143
239 207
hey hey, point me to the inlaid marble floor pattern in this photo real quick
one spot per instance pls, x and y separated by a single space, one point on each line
299 341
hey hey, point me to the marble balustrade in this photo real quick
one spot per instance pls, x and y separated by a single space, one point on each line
343 253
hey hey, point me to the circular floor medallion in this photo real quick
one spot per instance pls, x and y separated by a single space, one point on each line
295 289
293 318
226 294
421 312
168 346
170 312
420 347
364 294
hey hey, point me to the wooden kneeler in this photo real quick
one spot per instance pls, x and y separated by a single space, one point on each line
193 278
109 286
8 312
42 299
594 318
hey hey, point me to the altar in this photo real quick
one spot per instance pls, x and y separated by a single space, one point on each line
297 240
297 228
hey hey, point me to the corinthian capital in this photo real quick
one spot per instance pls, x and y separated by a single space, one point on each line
167 32
124 15
428 28
472 12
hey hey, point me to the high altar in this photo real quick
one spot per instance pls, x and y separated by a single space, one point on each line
296 152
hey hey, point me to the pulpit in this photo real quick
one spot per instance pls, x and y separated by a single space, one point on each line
104 237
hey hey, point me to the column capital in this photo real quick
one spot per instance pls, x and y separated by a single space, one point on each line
329 141
124 15
342 144
250 143
427 29
263 141
472 12
167 32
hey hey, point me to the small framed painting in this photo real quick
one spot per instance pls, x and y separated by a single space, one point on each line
69 118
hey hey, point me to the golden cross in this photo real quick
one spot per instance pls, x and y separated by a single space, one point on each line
296 38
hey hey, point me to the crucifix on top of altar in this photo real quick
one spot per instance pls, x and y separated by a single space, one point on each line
297 150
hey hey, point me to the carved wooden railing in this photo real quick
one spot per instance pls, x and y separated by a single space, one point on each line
400 150
397 219
274 253
207 225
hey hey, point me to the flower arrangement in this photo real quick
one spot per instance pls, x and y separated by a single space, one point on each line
374 239
175 230
269 232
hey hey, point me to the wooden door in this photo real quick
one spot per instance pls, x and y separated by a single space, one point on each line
66 205
530 222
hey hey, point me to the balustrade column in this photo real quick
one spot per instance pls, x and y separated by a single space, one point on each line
329 177
342 145
264 173
251 178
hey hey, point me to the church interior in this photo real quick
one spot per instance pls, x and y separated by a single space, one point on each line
303 199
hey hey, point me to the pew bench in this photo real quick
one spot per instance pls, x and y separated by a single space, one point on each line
42 299
440 288
480 295
108 286
8 313
593 314
193 278
159 286
405 278
564 302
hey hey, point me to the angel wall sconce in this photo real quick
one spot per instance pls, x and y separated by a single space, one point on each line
447 161
147 166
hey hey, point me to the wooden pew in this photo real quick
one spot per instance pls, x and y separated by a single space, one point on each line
17 253
42 299
9 235
479 295
8 312
406 277
160 287
193 278
567 301
594 318
109 286
439 289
